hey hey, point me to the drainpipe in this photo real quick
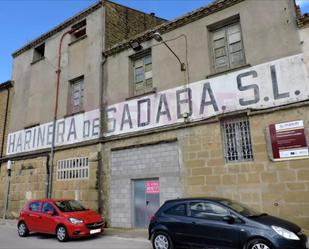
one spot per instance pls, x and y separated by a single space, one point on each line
102 125
52 149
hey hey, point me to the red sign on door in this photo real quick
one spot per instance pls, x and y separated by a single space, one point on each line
152 187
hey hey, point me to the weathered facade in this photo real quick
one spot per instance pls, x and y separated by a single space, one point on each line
71 51
209 104
219 112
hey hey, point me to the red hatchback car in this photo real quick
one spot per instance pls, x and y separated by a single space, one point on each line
65 218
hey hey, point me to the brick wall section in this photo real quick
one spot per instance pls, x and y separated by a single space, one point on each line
153 161
123 23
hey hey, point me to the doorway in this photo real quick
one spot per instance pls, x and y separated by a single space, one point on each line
146 200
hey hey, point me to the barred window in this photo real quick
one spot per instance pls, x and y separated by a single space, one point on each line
73 169
237 140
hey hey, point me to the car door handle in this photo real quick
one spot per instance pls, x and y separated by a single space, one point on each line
193 222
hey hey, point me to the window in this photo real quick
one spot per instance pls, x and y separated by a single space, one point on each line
76 95
34 206
207 210
79 30
237 140
47 207
39 52
142 74
227 48
73 169
179 210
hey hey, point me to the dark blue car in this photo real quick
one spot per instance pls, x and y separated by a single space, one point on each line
219 223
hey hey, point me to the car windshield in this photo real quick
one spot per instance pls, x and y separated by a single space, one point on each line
241 208
69 206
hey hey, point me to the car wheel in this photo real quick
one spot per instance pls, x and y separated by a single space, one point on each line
23 230
162 240
62 234
259 244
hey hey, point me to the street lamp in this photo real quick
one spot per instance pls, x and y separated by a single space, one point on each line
157 36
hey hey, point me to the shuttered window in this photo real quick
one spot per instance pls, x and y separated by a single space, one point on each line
76 95
227 48
142 78
73 169
237 140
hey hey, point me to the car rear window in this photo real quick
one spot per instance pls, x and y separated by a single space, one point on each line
70 206
179 209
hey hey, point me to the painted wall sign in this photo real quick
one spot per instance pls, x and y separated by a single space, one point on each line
288 140
152 187
266 85
74 129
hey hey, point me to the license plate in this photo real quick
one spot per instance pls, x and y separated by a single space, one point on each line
95 231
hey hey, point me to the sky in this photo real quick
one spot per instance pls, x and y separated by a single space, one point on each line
24 20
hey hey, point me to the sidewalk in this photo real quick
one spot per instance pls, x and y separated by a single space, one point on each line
116 232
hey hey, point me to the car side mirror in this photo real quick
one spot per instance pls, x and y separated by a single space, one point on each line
229 219
51 213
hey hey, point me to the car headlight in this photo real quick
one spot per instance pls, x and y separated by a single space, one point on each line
75 221
285 233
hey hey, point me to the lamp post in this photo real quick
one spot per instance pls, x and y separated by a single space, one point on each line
157 36
6 197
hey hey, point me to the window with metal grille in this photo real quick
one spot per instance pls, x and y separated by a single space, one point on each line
76 95
73 169
237 140
142 74
227 48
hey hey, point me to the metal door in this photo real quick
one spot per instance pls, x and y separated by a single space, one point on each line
146 201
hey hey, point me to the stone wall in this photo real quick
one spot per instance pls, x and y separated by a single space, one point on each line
123 22
3 106
29 181
278 188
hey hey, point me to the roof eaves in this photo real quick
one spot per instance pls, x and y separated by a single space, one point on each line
58 28
171 25
6 84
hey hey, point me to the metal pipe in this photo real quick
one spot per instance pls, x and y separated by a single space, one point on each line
7 191
52 149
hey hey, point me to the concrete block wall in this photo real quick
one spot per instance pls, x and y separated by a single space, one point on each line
145 162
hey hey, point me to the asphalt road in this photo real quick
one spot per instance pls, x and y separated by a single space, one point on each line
9 239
